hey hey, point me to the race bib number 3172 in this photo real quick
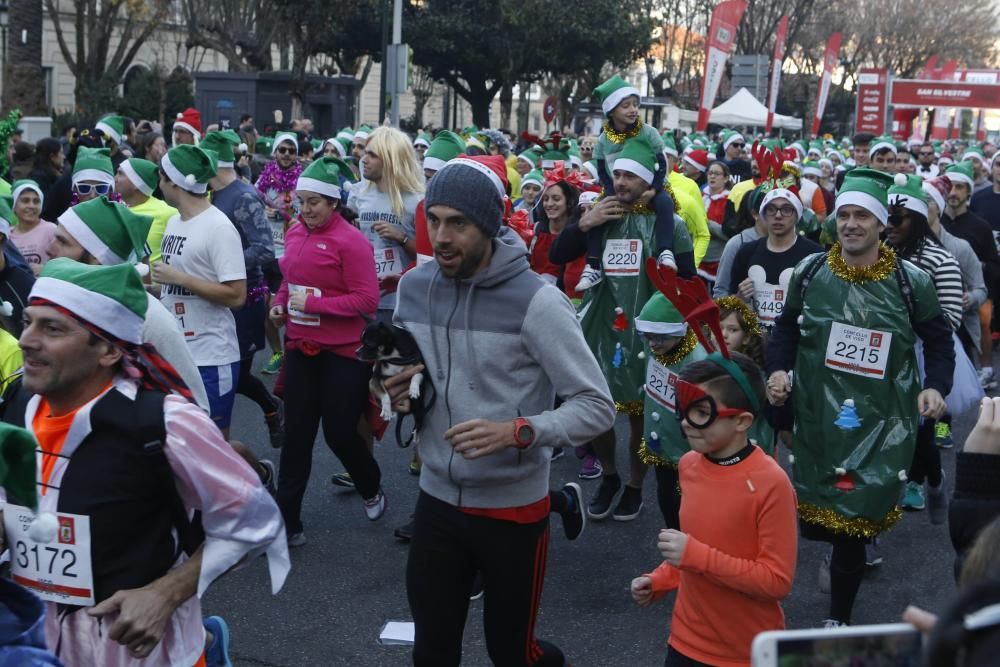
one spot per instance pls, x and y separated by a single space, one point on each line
622 257
858 350
59 571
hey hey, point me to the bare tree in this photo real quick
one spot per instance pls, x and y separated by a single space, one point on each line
23 60
422 86
241 30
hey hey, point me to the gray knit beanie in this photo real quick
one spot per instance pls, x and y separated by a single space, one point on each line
467 185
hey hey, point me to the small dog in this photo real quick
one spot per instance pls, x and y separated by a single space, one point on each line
392 349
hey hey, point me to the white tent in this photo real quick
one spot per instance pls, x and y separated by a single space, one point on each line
744 109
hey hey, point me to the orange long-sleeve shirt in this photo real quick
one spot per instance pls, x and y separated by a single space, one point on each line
739 560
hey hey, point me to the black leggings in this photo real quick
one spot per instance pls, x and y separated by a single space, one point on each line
926 457
449 547
847 568
668 495
332 389
250 386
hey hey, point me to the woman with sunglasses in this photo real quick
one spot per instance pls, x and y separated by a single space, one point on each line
32 235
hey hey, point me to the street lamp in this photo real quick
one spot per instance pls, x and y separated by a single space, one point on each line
4 18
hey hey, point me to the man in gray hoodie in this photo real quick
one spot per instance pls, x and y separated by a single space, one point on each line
499 345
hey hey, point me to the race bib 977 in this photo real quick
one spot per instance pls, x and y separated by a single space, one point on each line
858 351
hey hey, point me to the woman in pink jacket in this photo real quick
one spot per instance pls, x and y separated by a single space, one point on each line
328 286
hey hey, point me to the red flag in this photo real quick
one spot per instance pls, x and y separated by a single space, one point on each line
942 115
721 38
776 60
829 62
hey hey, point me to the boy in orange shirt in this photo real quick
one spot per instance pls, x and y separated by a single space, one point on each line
735 560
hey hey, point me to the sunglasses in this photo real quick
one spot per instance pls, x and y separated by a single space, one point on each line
285 151
737 145
698 408
87 188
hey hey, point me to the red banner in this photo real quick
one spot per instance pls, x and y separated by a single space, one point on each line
829 62
873 96
721 38
955 94
776 60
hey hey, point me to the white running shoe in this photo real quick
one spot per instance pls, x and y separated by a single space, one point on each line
589 278
375 506
666 258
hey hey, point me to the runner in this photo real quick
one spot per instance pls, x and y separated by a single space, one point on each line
853 439
121 445
32 235
484 501
16 279
136 181
187 128
202 274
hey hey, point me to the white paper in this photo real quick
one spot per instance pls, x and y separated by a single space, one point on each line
397 633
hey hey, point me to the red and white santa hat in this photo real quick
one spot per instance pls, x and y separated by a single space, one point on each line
190 120
938 190
698 159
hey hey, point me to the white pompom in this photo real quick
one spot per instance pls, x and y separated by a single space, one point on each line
902 476
800 320
242 148
190 179
44 528
6 308
641 355
618 345
653 435
179 115
899 179
840 471
849 403
141 269
655 416
791 458
618 310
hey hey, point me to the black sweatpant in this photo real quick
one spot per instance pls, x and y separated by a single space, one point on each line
926 465
250 386
847 567
449 547
668 496
332 389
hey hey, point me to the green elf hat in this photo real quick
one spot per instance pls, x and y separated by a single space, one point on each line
974 153
477 141
26 184
469 130
659 316
113 127
811 168
799 147
143 174
6 217
907 191
346 134
574 157
324 175
285 138
342 146
189 168
93 164
554 151
881 143
815 148
423 139
264 145
362 133
109 297
613 92
17 466
316 144
637 157
534 177
109 231
961 172
669 145
532 156
446 146
868 189
729 136
591 168
223 143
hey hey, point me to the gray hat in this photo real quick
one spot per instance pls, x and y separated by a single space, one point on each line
469 186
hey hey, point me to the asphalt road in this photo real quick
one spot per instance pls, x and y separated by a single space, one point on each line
349 579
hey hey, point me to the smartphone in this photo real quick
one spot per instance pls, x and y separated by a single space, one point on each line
886 645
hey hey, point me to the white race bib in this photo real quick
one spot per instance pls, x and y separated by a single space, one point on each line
661 384
57 572
388 262
858 351
184 320
622 257
768 300
297 316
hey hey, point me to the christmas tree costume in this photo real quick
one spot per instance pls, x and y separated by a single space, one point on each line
609 306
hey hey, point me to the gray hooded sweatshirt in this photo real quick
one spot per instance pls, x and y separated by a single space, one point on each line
500 345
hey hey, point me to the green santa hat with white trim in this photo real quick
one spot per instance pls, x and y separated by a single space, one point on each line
362 133
113 127
637 157
907 191
446 146
811 168
423 139
23 184
974 153
109 231
533 177
18 475
881 143
532 156
285 138
143 174
659 316
224 143
111 298
730 136
869 189
324 176
669 145
189 168
342 146
613 92
346 134
961 172
93 164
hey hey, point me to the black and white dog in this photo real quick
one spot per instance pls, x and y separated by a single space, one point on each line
392 350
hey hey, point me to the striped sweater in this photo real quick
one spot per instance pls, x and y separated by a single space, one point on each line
946 275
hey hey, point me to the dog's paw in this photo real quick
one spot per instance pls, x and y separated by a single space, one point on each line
415 383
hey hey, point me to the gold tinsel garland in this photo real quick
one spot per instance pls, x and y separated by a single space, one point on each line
746 314
630 408
621 137
650 458
857 275
683 349
856 527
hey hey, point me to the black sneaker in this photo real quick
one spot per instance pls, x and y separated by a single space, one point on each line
629 505
276 425
271 481
405 532
600 505
574 518
557 453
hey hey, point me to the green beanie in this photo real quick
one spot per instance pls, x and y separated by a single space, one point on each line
189 167
659 316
